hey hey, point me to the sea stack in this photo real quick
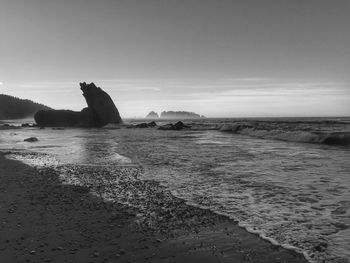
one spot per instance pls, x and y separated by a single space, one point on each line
102 106
152 115
179 115
101 111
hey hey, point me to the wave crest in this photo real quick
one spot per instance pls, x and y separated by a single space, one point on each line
278 133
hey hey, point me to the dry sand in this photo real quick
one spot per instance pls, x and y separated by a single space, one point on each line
43 220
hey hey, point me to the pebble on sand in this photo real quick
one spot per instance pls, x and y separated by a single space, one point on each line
31 139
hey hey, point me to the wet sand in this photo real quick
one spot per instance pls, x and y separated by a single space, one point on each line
43 220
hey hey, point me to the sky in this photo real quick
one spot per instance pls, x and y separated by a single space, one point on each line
219 58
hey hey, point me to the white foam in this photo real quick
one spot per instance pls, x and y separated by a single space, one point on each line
292 194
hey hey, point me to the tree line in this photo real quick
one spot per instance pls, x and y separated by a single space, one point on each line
16 108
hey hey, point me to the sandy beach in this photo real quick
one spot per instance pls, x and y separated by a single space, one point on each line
175 131
43 220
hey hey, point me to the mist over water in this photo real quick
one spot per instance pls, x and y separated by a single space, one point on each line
287 179
296 194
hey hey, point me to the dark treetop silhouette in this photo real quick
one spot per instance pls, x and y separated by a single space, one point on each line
16 108
100 111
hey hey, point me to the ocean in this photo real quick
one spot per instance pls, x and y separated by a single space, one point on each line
286 179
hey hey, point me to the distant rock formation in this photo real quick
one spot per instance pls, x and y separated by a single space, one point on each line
144 125
174 127
15 108
179 115
100 111
152 115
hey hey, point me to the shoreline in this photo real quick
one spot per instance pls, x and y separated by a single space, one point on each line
44 220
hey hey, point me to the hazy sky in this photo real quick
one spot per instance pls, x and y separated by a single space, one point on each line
213 57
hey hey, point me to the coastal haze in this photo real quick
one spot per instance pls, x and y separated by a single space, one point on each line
175 131
217 58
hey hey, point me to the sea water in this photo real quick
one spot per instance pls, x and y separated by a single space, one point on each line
294 194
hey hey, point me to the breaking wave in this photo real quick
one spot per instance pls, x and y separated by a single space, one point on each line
341 138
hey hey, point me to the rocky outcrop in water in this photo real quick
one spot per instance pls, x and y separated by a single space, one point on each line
174 115
31 139
146 125
101 105
174 127
143 125
101 111
180 115
56 118
152 115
